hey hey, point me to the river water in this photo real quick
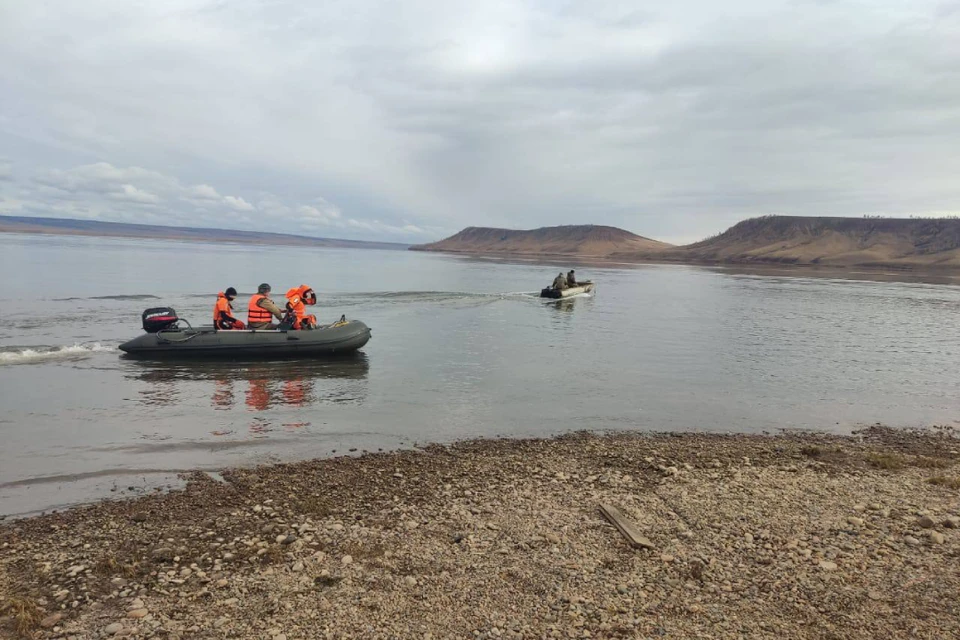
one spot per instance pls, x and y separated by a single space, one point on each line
461 348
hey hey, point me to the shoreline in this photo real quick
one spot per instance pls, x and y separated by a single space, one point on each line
803 535
891 269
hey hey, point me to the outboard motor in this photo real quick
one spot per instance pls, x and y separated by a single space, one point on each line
159 319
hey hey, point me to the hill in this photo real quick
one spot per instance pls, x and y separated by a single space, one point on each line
845 242
72 227
577 240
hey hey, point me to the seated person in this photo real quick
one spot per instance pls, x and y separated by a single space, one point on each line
560 282
223 311
571 279
261 309
297 299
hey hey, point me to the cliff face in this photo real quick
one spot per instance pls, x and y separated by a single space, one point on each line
829 241
581 240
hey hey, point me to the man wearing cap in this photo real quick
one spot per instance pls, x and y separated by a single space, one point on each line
262 310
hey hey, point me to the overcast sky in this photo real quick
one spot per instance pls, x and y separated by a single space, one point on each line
409 120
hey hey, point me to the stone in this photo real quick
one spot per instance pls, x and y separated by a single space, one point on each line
346 560
137 613
911 540
936 537
748 537
826 565
926 522
857 522
552 538
951 522
163 554
113 628
51 621
410 581
298 567
221 583
874 595
290 539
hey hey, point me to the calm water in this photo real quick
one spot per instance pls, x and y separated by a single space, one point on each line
461 348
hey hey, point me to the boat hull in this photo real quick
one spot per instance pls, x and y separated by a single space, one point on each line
550 292
205 342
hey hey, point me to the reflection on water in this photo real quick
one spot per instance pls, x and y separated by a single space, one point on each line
258 384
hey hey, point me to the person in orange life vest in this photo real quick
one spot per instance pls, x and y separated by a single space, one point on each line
297 301
261 309
223 311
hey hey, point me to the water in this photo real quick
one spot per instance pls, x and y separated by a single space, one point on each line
461 348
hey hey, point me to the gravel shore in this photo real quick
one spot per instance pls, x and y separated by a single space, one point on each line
788 536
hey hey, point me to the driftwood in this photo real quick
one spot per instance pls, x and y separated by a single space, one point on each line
624 526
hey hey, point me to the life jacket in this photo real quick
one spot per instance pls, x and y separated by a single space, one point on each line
296 304
255 313
222 310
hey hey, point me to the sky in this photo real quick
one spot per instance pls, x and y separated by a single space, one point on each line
407 121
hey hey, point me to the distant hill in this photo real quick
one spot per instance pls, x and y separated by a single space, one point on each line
864 242
577 240
67 226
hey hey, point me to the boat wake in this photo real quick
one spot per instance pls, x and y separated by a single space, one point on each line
132 296
31 355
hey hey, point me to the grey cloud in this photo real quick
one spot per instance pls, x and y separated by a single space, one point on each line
674 121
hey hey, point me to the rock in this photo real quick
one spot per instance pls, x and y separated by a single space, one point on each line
163 554
552 538
667 557
874 595
748 537
138 517
926 522
280 539
346 560
51 621
911 540
298 567
410 581
119 582
137 613
290 539
951 522
936 537
221 583
113 628
857 522
826 565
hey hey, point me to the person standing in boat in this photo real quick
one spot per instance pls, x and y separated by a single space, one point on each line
261 309
223 311
560 282
571 279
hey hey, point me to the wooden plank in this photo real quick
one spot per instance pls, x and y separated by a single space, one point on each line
624 526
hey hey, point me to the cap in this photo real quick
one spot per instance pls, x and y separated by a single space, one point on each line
263 288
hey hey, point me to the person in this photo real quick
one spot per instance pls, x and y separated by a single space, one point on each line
262 309
571 279
560 282
223 311
297 299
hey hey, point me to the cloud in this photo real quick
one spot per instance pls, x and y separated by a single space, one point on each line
672 120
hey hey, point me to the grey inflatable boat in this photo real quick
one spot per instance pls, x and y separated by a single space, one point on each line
164 337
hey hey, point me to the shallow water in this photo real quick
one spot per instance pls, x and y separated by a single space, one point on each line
461 348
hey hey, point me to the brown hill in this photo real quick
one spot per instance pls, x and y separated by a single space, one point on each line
868 242
579 240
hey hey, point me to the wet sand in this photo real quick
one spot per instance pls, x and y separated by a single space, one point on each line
789 536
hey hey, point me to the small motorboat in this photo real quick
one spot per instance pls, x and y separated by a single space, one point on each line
582 287
165 337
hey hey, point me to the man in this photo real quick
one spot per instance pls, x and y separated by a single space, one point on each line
571 279
262 309
560 282
223 311
297 299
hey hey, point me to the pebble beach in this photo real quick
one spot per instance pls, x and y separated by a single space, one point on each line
779 536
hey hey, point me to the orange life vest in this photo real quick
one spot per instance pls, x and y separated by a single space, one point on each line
222 310
255 313
296 304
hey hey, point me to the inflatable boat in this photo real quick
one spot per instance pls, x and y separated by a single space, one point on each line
165 337
582 287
